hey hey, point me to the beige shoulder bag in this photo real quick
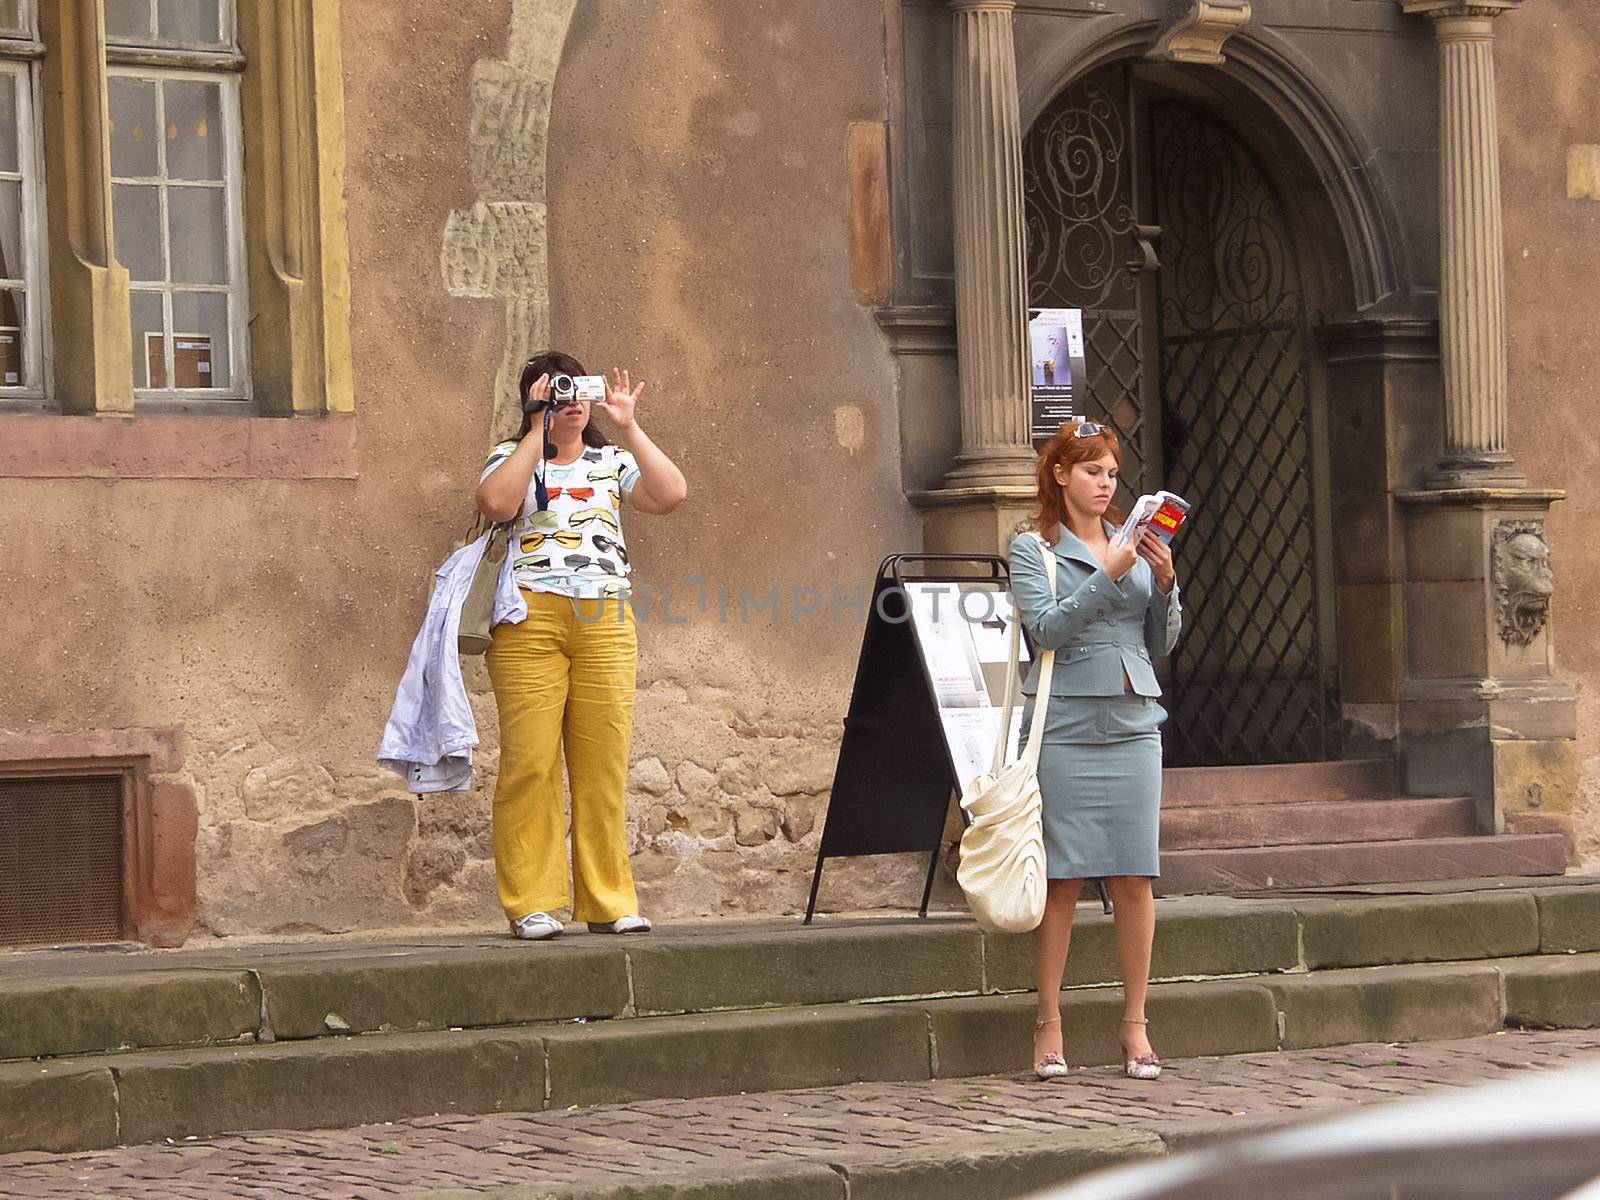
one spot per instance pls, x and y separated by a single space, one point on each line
1002 867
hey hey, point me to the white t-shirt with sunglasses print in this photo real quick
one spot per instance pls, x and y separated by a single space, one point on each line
575 547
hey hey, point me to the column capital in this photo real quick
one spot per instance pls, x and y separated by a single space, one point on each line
1443 10
1005 6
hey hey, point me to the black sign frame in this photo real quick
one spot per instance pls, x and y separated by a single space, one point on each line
895 780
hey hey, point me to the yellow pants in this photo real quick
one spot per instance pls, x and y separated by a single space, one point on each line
564 680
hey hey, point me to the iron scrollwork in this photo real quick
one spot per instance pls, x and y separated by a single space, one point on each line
1223 232
1080 221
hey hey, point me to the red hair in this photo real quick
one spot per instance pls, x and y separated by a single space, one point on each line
1066 449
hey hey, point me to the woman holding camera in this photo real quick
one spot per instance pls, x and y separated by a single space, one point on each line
564 678
1114 610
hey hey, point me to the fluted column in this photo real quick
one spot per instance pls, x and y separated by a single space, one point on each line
1471 244
991 275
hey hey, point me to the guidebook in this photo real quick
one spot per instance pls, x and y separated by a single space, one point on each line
1164 512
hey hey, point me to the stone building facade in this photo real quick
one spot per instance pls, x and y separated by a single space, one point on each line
780 215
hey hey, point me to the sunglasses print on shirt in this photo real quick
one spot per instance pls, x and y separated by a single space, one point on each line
605 474
579 561
606 546
568 538
574 493
542 563
587 516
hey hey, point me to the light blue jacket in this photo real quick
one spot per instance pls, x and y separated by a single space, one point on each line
431 731
1098 627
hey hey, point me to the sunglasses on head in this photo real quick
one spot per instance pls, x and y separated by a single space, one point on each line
577 493
562 537
1088 429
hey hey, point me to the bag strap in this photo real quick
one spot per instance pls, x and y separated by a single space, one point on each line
1046 668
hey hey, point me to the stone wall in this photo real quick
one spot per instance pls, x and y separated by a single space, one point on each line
1549 125
696 231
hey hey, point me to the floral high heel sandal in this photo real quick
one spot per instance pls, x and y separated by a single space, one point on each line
1052 1065
1141 1066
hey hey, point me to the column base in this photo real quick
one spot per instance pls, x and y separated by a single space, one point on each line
1482 713
1514 750
998 466
973 520
1480 471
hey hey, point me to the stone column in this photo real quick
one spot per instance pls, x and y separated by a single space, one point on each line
990 244
1472 325
1482 711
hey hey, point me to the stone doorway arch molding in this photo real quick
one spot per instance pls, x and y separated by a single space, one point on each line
1281 78
498 249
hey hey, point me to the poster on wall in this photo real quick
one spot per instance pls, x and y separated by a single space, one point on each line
1056 351
964 632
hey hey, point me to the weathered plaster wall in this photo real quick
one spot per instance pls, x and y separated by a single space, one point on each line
698 212
697 233
1545 56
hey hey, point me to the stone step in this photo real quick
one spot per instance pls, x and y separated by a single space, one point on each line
1315 822
1285 783
71 1003
1279 868
94 1102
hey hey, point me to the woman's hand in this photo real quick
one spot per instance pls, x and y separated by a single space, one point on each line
538 394
1119 560
1159 555
621 397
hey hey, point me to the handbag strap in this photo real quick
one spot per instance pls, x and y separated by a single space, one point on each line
1046 668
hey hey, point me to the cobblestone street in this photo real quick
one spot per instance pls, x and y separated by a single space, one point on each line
615 1143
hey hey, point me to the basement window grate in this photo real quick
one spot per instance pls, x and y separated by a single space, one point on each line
61 860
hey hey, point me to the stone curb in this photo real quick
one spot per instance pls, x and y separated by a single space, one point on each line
973 1168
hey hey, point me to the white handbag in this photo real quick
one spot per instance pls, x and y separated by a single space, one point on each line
1002 868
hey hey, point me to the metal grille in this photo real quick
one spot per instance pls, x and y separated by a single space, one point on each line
60 860
1077 188
1247 679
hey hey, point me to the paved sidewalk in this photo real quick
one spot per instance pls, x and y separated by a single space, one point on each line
617 1143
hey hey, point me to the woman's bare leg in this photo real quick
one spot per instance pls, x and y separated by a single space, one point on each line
1050 944
1135 916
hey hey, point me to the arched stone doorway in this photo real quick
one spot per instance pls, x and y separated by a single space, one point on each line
1146 209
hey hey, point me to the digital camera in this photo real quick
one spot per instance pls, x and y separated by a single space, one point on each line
570 389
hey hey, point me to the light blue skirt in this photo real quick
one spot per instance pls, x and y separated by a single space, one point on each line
1100 781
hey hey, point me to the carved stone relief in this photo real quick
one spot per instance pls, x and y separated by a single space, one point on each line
1523 580
498 248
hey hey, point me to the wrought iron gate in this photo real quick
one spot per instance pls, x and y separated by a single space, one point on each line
1202 366
1247 679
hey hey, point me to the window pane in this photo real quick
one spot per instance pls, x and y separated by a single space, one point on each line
12 265
149 346
9 160
194 130
199 234
13 360
136 213
193 22
200 350
129 21
135 131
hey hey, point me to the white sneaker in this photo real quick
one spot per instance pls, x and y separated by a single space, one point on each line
536 927
632 923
